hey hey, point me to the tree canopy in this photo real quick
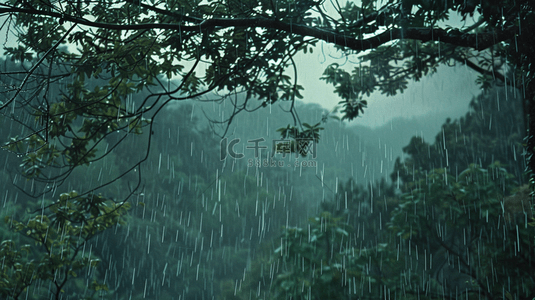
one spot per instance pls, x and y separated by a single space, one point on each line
84 70
489 132
81 79
452 230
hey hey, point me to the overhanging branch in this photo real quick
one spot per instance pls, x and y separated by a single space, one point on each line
479 41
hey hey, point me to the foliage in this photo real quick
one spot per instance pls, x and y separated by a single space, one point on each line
87 75
461 236
321 261
194 224
467 244
489 132
389 67
108 67
61 254
300 139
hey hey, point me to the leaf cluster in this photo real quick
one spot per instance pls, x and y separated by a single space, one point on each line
61 252
298 140
463 217
317 262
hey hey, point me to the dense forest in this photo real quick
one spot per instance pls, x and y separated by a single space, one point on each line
448 220
163 150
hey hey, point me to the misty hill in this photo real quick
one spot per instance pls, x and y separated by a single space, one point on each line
343 151
398 133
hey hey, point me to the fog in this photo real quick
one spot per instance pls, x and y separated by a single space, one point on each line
423 196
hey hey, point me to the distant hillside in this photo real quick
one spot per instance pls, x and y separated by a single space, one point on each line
344 151
397 134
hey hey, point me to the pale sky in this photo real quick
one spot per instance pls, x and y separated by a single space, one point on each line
447 92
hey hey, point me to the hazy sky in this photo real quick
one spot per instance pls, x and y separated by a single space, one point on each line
445 94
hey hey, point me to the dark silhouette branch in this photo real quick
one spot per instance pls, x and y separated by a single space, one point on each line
476 41
34 67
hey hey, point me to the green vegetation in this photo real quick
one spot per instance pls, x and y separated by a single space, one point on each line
492 130
105 69
443 233
191 232
56 259
88 108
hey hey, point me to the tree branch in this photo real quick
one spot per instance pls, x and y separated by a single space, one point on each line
34 67
477 41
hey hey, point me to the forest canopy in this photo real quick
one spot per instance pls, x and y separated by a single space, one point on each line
115 187
85 70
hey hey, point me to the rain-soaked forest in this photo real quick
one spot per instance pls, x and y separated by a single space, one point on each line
164 150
